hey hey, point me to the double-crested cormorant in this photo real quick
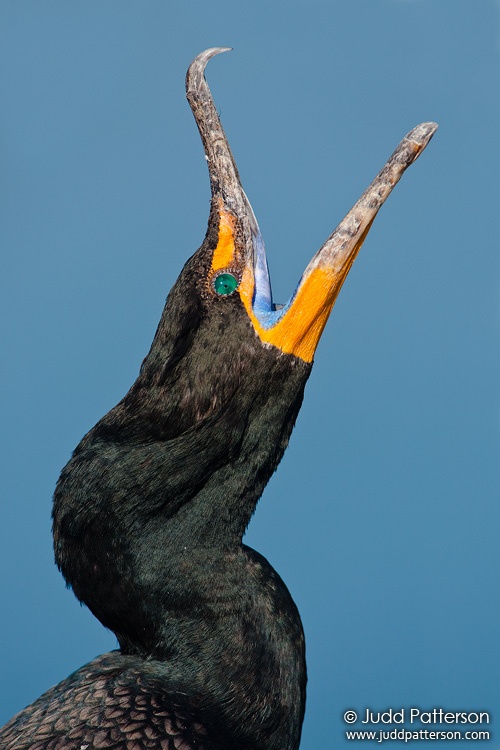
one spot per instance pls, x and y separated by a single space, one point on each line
150 511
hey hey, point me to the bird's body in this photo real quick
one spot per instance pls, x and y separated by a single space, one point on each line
150 511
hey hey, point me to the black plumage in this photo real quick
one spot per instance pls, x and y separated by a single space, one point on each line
150 511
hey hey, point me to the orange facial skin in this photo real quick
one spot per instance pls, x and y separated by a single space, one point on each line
299 329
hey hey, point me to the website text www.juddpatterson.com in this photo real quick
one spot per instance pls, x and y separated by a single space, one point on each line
416 717
408 735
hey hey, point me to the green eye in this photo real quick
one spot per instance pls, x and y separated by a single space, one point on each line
225 283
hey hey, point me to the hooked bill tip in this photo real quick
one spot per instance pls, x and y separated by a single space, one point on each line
201 60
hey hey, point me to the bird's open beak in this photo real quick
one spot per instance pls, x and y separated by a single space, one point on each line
296 327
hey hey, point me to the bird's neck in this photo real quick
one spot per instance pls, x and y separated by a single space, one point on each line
149 516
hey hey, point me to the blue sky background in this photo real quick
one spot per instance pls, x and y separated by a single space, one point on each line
384 516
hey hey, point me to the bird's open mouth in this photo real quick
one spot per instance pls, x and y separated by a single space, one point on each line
294 328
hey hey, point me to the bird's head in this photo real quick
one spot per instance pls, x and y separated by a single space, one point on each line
220 315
